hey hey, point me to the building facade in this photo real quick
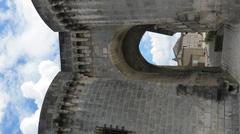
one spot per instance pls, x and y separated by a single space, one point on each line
106 86
191 50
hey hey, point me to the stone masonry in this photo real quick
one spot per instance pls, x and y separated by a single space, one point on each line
105 85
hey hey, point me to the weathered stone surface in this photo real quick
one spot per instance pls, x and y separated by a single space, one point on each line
143 108
105 82
196 15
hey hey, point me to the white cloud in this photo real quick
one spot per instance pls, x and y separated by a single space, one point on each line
25 36
29 125
6 14
4 99
32 37
37 91
162 48
29 70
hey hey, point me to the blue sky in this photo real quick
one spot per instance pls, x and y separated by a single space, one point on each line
157 48
29 60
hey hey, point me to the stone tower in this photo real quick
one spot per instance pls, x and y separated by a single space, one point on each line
106 87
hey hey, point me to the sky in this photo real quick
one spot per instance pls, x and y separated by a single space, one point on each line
158 48
29 60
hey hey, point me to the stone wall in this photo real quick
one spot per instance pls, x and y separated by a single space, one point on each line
181 15
140 107
78 102
230 60
103 86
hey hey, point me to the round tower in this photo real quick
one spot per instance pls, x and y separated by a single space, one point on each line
106 86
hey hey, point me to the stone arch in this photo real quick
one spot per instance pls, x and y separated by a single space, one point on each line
125 55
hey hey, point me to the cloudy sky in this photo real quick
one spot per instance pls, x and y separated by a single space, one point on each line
29 60
157 48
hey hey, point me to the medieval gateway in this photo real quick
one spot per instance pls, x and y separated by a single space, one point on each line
105 85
